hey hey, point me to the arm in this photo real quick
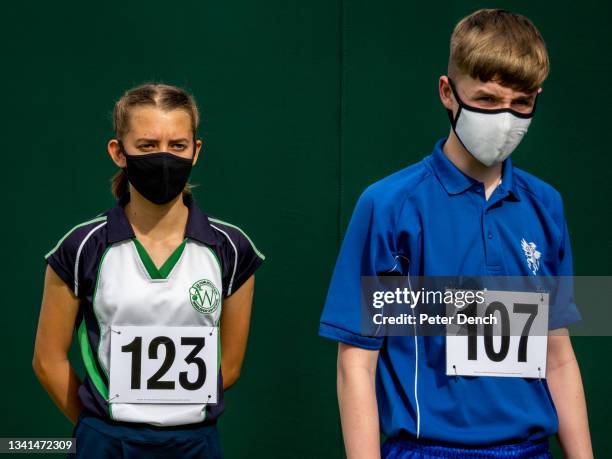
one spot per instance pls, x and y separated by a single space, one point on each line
565 384
53 337
235 320
357 400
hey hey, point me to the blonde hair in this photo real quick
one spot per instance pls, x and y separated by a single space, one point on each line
163 96
497 45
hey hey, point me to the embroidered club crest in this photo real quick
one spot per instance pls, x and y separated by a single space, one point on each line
204 296
532 255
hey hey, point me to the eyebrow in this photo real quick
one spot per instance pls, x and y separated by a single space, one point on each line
182 139
529 97
483 92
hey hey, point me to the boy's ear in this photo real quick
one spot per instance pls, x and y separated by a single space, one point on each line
446 93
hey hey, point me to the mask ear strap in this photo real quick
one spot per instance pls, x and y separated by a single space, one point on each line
453 119
449 112
454 91
121 147
535 103
122 150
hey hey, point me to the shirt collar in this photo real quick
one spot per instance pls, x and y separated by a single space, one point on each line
455 182
508 182
198 227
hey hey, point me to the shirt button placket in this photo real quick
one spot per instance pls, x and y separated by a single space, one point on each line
492 246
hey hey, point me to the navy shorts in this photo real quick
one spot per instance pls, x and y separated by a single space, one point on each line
98 438
400 448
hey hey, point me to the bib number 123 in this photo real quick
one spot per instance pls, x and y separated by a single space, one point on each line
163 364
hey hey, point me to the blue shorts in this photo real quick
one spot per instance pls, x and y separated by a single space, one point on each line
98 438
401 448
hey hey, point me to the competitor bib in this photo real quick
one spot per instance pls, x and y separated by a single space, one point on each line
505 335
163 364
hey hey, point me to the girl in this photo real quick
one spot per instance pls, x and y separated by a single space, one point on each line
154 289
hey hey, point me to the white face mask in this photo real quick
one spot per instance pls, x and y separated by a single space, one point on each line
490 135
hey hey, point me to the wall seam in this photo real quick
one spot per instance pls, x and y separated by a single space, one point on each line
339 216
341 82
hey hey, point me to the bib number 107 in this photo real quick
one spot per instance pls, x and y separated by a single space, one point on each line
163 364
505 335
499 310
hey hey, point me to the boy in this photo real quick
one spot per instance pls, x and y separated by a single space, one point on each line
462 211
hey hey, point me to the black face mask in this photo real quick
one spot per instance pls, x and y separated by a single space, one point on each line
159 177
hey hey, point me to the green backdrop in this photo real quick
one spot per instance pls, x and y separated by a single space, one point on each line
304 104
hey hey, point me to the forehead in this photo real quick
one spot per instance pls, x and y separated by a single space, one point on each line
473 86
149 121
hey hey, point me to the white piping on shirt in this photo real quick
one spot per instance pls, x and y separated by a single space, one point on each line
416 371
93 220
416 353
216 220
78 256
231 282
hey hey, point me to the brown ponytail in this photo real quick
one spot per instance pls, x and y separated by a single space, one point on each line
163 96
119 184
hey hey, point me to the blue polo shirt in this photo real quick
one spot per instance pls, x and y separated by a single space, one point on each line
430 219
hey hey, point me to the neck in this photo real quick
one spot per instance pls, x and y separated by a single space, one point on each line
470 166
153 221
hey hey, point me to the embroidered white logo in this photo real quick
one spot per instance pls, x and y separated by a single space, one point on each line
532 255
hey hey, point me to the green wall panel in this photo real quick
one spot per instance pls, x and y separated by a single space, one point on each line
394 53
303 105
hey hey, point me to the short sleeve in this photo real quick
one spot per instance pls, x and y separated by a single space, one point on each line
61 259
366 251
240 257
563 311
73 260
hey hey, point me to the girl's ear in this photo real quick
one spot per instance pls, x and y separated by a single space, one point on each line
198 147
115 153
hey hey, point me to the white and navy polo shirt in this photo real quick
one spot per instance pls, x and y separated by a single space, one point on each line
118 284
